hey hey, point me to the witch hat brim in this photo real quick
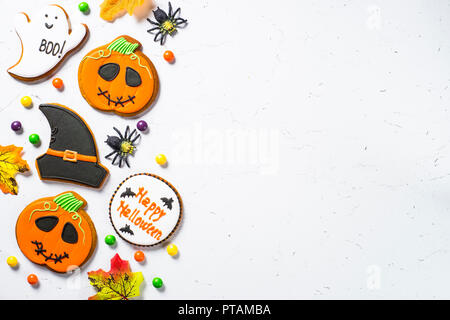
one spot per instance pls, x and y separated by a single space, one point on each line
72 155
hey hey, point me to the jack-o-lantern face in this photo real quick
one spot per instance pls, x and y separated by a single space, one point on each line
56 232
118 77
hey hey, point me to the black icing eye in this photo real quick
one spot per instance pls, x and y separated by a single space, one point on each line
56 18
46 224
69 233
46 15
133 79
109 71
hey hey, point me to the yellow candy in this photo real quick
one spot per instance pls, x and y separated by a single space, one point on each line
26 101
172 250
161 159
12 261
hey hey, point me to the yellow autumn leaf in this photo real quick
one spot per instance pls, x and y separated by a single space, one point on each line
117 284
111 9
10 164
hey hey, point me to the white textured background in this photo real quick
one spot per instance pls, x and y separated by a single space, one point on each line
309 141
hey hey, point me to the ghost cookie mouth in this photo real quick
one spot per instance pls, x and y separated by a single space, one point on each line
48 26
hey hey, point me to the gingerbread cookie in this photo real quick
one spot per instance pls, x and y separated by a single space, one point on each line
145 209
118 77
47 39
72 155
57 232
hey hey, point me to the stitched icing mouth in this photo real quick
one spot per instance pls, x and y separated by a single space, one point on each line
41 251
48 26
118 101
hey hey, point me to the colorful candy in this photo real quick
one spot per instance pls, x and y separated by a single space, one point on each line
172 250
34 138
169 56
139 256
142 125
32 279
161 159
110 240
26 101
16 126
58 83
83 7
12 261
157 282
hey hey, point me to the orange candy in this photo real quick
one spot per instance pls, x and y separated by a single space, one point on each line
58 83
32 279
139 256
169 56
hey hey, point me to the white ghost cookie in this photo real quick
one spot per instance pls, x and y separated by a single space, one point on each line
47 39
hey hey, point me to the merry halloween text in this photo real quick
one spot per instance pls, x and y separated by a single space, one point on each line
154 212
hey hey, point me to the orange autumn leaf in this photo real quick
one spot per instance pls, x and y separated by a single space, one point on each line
10 164
111 9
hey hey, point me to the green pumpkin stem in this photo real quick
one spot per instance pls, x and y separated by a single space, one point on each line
68 202
123 46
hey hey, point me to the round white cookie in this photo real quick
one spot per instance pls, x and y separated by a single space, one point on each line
145 209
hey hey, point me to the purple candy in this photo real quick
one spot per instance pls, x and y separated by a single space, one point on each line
142 125
16 125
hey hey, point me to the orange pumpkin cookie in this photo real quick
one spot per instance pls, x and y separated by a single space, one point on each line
57 232
118 77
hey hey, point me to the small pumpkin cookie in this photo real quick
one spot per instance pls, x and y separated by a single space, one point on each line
57 232
118 77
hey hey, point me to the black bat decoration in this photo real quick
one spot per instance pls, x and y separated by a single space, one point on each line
128 193
127 229
167 203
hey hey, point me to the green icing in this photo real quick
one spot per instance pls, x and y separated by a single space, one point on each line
68 202
123 46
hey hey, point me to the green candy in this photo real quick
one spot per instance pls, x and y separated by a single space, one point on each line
34 138
83 6
157 282
110 240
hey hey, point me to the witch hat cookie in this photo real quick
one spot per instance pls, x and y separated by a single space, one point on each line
72 154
